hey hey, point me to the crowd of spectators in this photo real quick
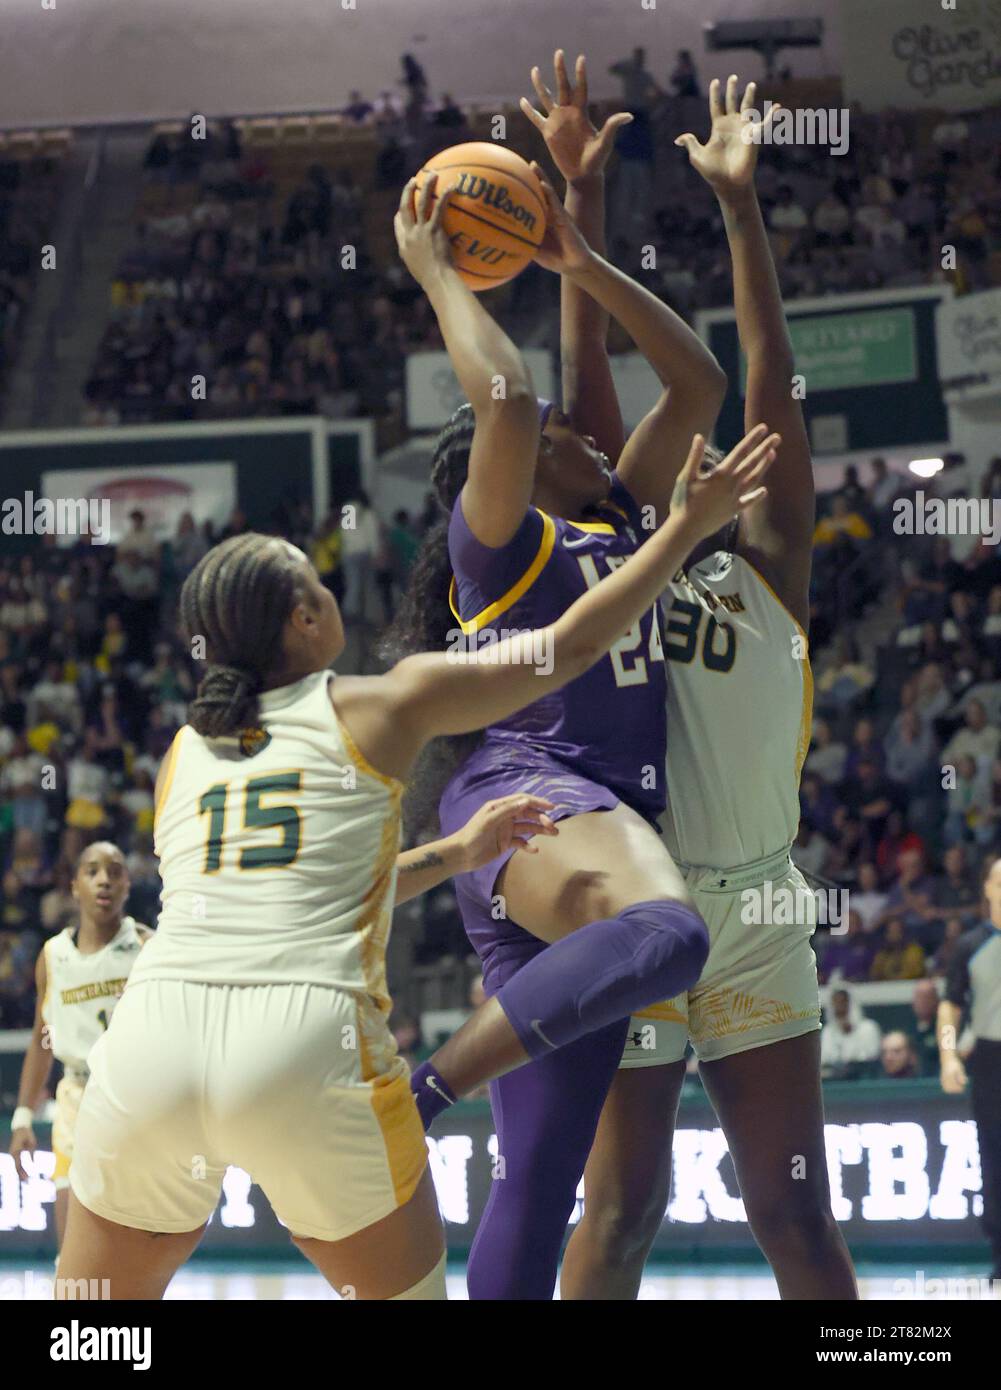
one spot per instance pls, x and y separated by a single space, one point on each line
854 1047
901 788
29 191
243 305
94 682
254 301
876 215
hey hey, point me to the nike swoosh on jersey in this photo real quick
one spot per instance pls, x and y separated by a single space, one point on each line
534 1025
572 545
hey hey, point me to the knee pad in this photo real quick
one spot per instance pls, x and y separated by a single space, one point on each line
669 946
604 972
688 949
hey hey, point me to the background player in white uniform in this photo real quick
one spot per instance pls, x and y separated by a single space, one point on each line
79 978
739 707
260 1006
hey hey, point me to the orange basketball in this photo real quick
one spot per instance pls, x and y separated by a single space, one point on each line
496 216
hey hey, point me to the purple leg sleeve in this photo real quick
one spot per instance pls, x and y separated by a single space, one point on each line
545 1114
605 971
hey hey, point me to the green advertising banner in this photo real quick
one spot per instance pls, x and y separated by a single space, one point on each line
838 352
869 365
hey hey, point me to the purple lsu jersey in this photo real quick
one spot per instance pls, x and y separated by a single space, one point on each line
610 723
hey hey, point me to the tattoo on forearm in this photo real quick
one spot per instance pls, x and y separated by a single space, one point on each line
431 860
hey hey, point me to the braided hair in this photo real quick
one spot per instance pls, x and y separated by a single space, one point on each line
237 599
424 619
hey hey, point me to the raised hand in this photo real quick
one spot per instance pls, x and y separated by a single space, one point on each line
578 149
729 157
563 247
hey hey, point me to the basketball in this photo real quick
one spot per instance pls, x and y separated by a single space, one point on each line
496 217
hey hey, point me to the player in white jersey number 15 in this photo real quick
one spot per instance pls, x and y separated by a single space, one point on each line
81 973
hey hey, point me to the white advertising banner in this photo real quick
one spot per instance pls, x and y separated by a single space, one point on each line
968 334
897 53
433 390
637 387
162 492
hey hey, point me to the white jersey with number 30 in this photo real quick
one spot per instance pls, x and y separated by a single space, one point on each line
739 710
277 853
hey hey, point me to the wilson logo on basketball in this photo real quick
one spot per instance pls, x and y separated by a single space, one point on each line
496 219
496 196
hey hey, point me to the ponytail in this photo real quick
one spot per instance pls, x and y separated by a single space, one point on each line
226 701
237 600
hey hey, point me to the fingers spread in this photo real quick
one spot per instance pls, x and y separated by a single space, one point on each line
611 128
695 456
747 469
536 117
580 75
745 447
749 94
749 498
542 91
563 93
715 105
731 94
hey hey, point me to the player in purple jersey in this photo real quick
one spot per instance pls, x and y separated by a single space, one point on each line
533 522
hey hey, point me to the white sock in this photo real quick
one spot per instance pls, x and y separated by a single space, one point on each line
431 1287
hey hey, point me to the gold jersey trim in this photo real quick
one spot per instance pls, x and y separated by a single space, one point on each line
517 590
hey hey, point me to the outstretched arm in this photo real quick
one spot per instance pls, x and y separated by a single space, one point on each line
491 372
776 535
391 717
580 152
694 385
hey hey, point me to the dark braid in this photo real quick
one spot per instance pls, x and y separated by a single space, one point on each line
237 598
424 618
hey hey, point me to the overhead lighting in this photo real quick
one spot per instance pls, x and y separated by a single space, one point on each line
926 468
